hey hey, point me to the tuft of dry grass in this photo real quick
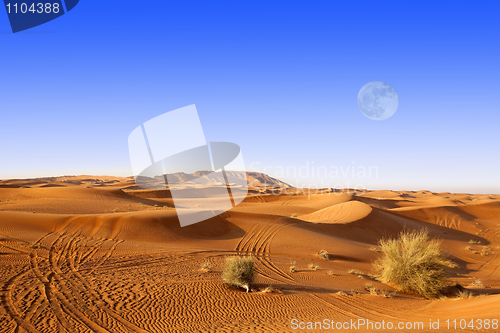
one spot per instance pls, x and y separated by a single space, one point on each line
206 267
313 267
387 294
369 287
477 283
373 291
355 272
271 289
293 269
239 271
331 273
324 255
463 294
474 241
413 263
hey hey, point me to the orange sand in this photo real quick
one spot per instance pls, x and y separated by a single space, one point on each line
109 257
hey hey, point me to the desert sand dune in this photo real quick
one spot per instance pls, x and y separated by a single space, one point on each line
95 254
340 213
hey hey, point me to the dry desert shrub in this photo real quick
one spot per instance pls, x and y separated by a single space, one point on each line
206 267
324 255
355 272
313 267
387 294
373 291
238 272
462 294
413 263
477 283
369 287
271 289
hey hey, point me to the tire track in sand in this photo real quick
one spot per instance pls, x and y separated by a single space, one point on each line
53 287
257 241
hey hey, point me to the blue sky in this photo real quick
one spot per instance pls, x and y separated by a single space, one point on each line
278 78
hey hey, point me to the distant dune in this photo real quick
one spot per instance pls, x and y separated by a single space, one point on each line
99 254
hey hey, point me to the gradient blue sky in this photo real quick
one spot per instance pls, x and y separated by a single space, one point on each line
279 78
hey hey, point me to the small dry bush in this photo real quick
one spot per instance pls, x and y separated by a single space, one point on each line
312 266
355 272
387 294
238 271
462 294
324 255
369 287
413 263
373 291
271 289
477 283
206 267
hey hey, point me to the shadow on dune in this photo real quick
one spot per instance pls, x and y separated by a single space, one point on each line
149 227
381 224
385 203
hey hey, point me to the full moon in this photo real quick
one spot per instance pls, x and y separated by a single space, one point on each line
378 100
